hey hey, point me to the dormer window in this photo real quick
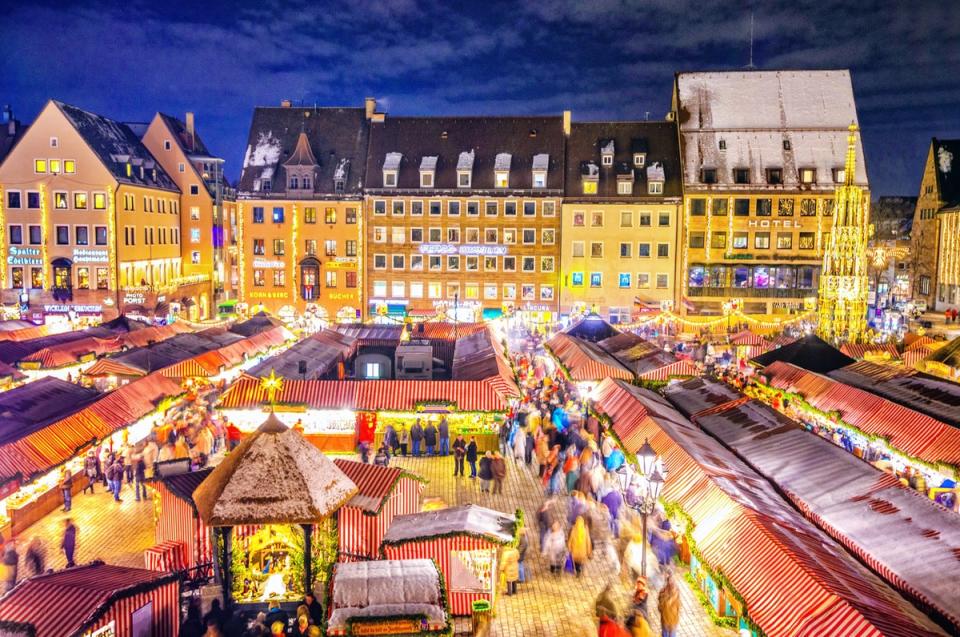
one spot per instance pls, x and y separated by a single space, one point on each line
294 183
305 182
655 178
839 175
606 152
639 160
428 170
338 186
340 175
624 187
501 170
708 175
808 175
129 169
391 166
741 175
589 177
775 176
465 169
541 163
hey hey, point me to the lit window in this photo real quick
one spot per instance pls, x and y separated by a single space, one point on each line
60 200
99 201
539 179
596 279
639 159
808 175
589 187
624 280
40 165
194 235
278 214
69 166
502 179
195 213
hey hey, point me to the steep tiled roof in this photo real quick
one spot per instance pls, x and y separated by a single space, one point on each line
516 140
179 129
116 145
657 139
334 134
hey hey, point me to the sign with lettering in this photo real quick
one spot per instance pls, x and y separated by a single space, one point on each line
776 223
110 630
268 295
386 627
337 264
342 296
134 298
23 256
449 248
79 309
263 263
87 255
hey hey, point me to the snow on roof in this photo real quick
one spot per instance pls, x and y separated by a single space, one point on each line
343 167
502 161
541 161
607 146
265 153
379 582
655 172
944 159
428 163
392 161
465 161
589 169
274 477
469 519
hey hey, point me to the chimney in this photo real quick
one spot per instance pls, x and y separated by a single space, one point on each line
285 103
566 123
370 105
190 130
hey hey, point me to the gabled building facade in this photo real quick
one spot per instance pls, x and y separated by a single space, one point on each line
463 216
208 202
300 211
91 222
935 235
762 153
621 218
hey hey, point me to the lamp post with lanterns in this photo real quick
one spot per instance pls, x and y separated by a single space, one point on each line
641 490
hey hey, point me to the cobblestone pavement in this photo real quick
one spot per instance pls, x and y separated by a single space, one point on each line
547 605
117 533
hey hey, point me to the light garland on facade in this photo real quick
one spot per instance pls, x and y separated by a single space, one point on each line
820 206
709 234
948 268
685 273
843 281
112 237
3 241
240 260
295 234
669 316
44 228
729 251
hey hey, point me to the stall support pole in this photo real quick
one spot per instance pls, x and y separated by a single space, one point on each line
226 569
308 558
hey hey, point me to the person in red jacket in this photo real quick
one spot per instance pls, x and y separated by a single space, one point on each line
233 436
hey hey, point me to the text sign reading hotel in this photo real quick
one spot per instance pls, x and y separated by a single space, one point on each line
449 248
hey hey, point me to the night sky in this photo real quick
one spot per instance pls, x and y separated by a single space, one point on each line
598 58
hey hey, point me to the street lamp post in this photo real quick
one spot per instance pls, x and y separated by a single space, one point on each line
642 490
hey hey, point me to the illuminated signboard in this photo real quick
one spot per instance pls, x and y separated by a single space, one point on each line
263 263
85 255
79 309
134 298
449 248
24 256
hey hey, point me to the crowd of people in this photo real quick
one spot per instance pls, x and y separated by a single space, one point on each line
274 622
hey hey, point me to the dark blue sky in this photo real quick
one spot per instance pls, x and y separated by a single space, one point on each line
599 58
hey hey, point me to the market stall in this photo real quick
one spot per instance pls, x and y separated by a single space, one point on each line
388 597
166 556
96 600
177 519
747 345
384 493
465 543
46 427
765 567
874 352
272 500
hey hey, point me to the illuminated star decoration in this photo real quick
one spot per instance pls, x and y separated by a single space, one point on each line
271 384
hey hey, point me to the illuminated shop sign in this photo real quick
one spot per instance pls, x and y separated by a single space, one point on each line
134 298
449 248
263 263
86 255
23 256
268 295
776 223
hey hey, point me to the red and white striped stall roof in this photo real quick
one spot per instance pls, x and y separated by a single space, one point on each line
681 368
861 350
373 481
584 360
794 579
907 430
746 337
70 353
71 602
370 395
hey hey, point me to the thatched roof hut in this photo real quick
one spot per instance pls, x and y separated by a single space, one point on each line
273 477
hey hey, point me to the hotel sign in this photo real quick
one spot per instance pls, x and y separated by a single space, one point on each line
86 255
469 250
24 256
776 223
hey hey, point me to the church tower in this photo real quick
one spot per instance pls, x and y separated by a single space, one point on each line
842 298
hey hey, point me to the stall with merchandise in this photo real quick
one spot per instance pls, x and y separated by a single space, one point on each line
464 541
272 502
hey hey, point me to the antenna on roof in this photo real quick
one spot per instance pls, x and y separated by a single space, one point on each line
751 66
646 115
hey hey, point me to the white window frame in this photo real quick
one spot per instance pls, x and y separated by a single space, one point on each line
624 187
427 179
378 255
655 188
390 179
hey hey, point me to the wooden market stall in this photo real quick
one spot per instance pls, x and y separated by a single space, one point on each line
388 597
383 493
178 519
759 562
464 541
272 500
96 600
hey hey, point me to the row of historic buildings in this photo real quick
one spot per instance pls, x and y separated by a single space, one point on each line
351 212
935 235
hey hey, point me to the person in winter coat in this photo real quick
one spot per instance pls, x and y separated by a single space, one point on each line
606 609
404 440
69 542
633 555
520 445
472 456
36 556
390 439
669 605
416 437
430 439
638 625
555 548
613 500
443 432
150 453
499 468
579 544
90 471
542 451
510 567
66 489
459 451
522 546
10 561
139 476
528 448
486 471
